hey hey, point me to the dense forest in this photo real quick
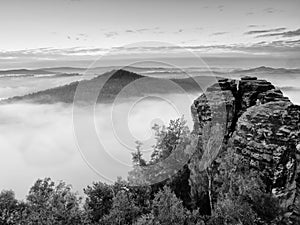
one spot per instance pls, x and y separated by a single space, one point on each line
239 198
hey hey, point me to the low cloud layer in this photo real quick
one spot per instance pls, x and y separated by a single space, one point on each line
265 31
292 33
268 48
19 86
39 141
276 32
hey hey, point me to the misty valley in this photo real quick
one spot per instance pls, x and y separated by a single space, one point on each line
129 110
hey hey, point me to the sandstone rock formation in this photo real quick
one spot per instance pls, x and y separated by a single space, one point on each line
260 124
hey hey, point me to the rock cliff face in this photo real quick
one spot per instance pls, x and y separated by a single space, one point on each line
260 124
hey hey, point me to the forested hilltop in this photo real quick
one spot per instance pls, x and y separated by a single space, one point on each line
111 84
244 169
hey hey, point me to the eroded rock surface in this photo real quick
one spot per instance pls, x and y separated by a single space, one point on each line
260 124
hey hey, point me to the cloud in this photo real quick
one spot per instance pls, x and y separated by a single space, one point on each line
293 33
256 25
271 10
220 8
141 30
79 53
111 34
51 53
38 140
265 31
253 25
179 31
289 48
31 134
218 33
83 34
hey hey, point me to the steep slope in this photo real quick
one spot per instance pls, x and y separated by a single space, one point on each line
258 123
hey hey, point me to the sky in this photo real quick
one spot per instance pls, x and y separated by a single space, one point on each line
45 30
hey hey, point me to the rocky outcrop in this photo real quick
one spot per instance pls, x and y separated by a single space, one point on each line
260 124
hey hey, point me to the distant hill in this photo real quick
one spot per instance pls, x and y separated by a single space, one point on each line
118 80
51 72
64 69
153 71
24 72
270 70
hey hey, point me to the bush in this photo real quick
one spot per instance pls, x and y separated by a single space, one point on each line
48 203
99 200
167 208
123 210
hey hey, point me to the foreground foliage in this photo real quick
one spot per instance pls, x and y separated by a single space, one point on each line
237 195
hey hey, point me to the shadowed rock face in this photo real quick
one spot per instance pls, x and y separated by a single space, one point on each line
260 124
267 136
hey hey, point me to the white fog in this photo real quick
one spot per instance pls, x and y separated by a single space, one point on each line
39 141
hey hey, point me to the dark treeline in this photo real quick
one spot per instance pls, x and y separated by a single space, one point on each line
237 196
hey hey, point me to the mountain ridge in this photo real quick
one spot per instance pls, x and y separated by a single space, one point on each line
115 81
25 71
260 69
265 69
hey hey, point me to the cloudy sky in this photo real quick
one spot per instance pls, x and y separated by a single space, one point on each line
83 29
